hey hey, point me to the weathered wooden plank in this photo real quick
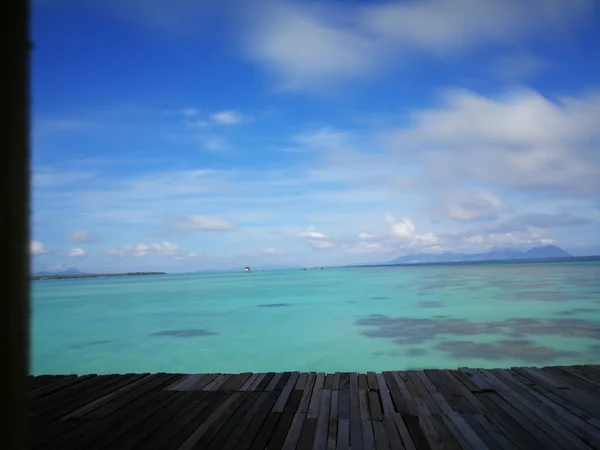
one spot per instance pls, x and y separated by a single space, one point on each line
403 400
167 433
344 380
256 415
129 438
302 379
151 384
307 393
44 419
220 432
286 392
356 441
264 382
435 394
91 432
124 385
553 407
509 426
490 435
198 384
280 433
235 382
445 437
372 381
320 442
119 430
328 381
538 413
413 392
368 437
456 394
578 422
332 429
307 435
362 381
249 382
343 434
266 431
275 381
375 406
315 399
576 376
210 402
336 381
416 432
561 405
344 403
477 382
283 381
56 384
363 403
224 410
462 432
398 435
430 403
407 439
291 440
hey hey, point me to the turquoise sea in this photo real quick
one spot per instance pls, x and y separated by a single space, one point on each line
331 320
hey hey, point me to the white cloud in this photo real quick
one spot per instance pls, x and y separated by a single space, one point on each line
165 248
309 45
363 247
226 118
311 233
214 143
468 204
515 68
195 223
365 236
189 112
405 232
50 178
81 236
321 244
36 248
270 251
520 140
303 45
77 253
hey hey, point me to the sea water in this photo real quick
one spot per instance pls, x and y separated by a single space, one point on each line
330 320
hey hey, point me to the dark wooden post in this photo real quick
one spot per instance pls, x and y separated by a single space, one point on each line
14 223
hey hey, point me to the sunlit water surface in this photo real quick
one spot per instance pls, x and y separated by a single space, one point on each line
334 320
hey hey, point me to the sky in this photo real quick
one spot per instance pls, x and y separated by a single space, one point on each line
186 135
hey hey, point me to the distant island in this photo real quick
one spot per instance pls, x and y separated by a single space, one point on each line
62 276
546 253
498 254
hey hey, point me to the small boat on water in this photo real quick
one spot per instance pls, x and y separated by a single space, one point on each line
246 269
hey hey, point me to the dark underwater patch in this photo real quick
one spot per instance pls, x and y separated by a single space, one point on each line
431 305
274 305
416 351
570 312
408 330
523 350
185 333
91 344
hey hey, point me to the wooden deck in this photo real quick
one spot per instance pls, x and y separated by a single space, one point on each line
520 408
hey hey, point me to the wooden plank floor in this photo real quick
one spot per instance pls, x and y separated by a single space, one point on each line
519 408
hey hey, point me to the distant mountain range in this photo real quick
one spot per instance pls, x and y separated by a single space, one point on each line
62 272
544 252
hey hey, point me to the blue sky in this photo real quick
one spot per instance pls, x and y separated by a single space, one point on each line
184 135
